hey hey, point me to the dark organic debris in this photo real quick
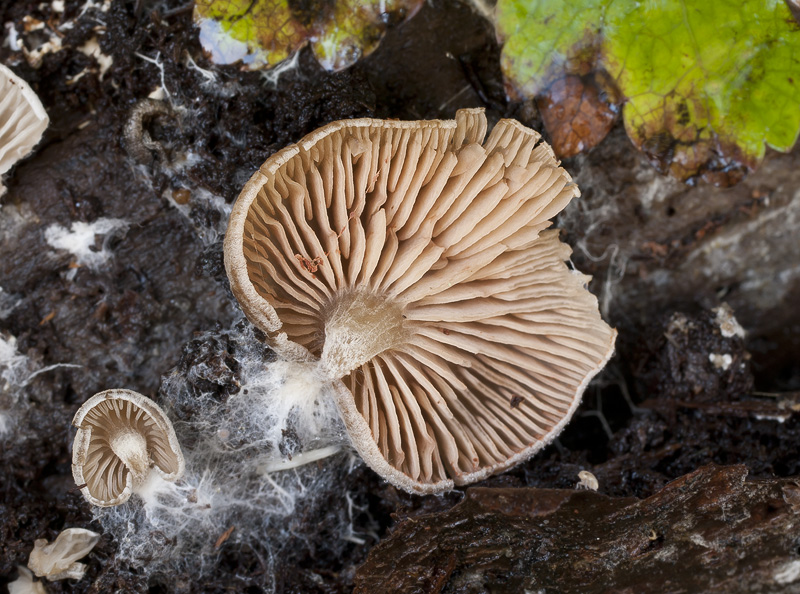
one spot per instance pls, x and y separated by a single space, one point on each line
725 533
138 139
695 357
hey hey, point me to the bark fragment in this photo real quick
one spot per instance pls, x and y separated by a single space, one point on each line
725 533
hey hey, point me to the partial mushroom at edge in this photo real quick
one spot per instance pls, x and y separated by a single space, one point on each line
23 120
410 260
122 436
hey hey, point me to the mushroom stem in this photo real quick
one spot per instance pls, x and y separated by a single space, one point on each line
359 325
131 448
299 459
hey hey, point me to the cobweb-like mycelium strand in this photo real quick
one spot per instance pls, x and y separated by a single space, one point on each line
411 260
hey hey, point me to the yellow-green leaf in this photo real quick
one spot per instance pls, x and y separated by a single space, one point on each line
258 33
262 33
707 83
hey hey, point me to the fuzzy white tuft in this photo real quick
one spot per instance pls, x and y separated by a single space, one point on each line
16 372
257 463
81 240
14 366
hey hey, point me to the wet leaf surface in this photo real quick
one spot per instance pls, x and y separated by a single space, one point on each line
263 33
259 34
578 114
708 85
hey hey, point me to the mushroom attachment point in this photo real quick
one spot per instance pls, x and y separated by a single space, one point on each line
23 120
410 261
122 436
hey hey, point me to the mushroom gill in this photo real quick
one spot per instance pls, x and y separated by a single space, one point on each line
23 120
121 435
409 259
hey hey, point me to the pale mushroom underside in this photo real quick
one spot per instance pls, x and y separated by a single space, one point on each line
116 420
23 120
410 258
59 560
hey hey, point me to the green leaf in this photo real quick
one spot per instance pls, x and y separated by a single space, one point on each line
258 33
355 28
706 83
262 33
546 39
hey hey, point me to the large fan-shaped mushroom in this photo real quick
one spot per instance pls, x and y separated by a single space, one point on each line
409 259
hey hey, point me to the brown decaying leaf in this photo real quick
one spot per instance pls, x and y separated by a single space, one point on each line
578 113
689 155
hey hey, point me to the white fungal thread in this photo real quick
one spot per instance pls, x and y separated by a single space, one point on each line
264 455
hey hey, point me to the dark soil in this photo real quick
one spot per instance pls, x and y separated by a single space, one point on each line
662 410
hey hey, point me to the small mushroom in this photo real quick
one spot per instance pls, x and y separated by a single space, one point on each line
121 436
59 560
410 260
587 481
23 120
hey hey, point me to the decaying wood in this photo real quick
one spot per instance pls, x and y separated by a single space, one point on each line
709 531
